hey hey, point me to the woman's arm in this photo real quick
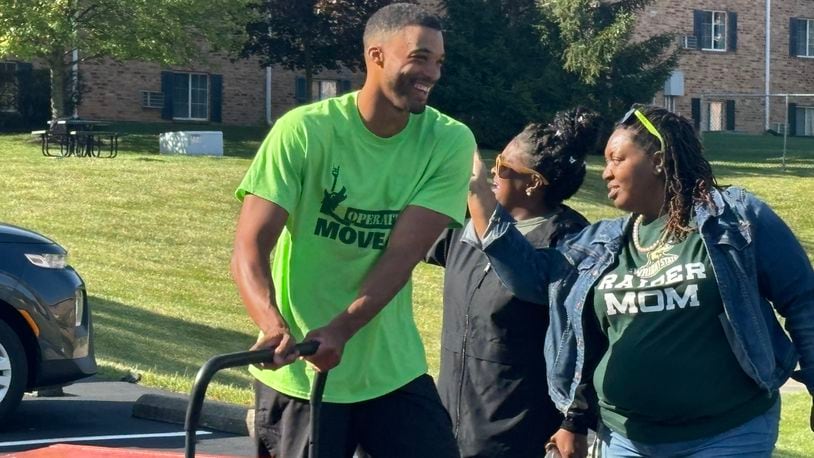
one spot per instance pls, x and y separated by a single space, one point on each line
481 200
525 271
786 278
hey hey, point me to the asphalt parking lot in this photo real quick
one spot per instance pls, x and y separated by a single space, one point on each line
99 413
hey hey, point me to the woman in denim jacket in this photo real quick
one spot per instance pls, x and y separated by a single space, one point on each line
665 316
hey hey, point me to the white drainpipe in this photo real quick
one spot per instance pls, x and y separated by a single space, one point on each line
768 76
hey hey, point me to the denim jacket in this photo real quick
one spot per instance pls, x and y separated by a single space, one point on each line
758 263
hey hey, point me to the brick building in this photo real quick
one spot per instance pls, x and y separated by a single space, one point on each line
215 90
728 52
724 51
219 90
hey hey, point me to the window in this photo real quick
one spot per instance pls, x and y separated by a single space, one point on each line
190 96
805 121
802 37
713 31
323 89
8 87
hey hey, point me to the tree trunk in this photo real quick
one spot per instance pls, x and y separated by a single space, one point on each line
56 65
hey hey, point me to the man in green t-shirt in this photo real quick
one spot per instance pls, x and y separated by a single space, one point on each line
351 192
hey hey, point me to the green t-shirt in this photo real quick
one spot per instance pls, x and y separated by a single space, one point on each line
343 188
669 373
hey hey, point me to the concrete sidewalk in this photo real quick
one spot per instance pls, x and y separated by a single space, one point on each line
172 408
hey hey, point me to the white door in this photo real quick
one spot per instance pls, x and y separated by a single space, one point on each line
808 125
716 116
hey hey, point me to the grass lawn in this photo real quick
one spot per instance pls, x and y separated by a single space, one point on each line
151 235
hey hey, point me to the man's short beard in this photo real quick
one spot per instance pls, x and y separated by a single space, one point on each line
418 110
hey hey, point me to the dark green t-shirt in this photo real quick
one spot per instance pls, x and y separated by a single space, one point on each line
669 373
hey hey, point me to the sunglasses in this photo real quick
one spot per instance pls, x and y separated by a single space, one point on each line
501 167
634 111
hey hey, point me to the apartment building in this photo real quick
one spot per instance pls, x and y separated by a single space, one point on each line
216 89
735 53
213 90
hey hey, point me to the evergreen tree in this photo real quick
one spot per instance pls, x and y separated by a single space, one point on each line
510 62
310 35
595 41
496 73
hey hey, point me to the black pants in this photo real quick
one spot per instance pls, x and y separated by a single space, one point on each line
409 422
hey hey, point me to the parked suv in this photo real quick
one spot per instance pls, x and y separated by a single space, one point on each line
45 326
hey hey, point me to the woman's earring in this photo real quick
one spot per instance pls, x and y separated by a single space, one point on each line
659 169
529 192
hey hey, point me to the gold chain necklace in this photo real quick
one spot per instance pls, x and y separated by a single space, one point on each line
645 249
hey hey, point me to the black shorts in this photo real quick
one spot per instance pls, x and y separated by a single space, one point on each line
409 422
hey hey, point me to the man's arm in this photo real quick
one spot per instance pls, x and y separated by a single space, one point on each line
258 228
416 230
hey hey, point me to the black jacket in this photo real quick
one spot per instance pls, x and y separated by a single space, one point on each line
492 378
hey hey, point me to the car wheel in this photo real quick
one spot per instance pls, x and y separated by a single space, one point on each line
13 370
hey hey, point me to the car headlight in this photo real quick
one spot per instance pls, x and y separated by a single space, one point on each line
48 260
79 306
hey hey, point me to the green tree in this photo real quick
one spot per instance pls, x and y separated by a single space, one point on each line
310 35
496 70
510 62
595 42
164 31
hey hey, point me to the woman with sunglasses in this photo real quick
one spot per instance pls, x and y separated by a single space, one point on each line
492 378
669 310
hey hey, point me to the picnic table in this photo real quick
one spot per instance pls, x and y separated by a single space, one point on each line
78 137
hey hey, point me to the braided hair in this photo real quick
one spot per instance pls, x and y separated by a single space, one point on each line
557 150
687 173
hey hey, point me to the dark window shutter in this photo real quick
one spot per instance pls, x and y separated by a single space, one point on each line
215 98
732 31
792 127
695 108
167 79
730 115
697 27
300 90
344 86
793 24
24 80
802 37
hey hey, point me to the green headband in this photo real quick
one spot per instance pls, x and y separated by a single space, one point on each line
646 123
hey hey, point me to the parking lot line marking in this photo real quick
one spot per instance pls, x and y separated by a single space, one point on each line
97 438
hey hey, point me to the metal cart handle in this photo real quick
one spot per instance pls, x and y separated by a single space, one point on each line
245 358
